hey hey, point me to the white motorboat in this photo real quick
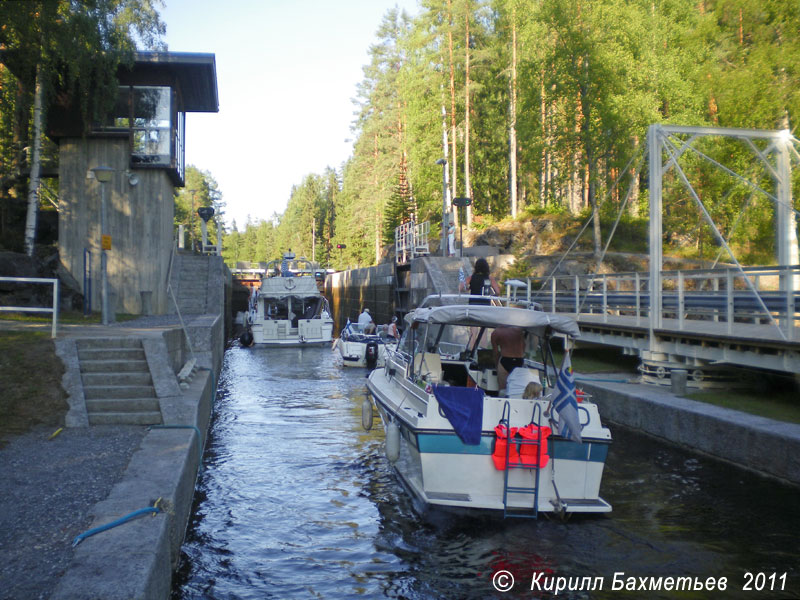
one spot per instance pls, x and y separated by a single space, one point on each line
360 349
456 440
288 309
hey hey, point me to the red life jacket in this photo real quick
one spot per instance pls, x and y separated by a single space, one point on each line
520 453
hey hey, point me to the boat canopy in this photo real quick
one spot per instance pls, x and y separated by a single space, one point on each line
474 315
283 286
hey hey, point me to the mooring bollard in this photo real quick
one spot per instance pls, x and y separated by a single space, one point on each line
112 306
147 302
677 378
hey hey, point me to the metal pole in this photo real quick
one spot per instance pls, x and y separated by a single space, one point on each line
204 233
191 227
55 308
103 256
445 219
656 258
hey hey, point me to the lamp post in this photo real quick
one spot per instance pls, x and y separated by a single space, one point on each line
103 175
443 163
191 224
205 212
460 203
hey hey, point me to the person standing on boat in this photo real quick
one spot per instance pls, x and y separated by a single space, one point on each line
365 322
391 329
480 283
508 350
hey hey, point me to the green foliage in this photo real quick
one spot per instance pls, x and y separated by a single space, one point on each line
72 50
591 77
201 189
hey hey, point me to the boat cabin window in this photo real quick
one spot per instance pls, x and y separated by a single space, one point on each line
308 307
276 309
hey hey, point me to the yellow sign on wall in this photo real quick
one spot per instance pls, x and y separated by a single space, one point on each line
105 242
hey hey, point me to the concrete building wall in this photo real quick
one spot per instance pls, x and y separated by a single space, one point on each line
139 219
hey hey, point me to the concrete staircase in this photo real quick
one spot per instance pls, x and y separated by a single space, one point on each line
117 385
191 284
443 273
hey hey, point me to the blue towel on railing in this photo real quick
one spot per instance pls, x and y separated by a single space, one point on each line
463 407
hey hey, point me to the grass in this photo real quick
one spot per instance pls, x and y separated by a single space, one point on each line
595 359
32 392
68 317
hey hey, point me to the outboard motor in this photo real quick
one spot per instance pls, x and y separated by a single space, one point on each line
246 339
371 355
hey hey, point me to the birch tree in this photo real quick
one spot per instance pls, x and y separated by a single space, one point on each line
73 48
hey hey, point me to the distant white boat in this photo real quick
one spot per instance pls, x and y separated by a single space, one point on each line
458 441
359 349
288 309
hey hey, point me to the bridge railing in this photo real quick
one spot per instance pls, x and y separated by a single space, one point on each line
753 295
411 241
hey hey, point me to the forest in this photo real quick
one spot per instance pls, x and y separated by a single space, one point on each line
542 106
538 107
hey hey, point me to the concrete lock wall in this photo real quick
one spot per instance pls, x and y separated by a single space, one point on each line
139 219
350 291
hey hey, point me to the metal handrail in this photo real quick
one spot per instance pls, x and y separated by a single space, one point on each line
722 294
53 310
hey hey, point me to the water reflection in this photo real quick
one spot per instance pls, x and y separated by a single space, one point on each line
296 501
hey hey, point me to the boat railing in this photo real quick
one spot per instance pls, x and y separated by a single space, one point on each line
451 350
454 299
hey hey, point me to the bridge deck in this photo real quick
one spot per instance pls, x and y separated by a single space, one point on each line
698 342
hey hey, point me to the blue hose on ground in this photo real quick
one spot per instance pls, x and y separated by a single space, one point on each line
142 511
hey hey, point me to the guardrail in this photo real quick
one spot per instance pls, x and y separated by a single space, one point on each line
34 309
755 294
411 241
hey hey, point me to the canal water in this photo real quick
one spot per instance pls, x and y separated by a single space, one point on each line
296 500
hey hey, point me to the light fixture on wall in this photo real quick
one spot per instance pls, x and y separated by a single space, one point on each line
133 178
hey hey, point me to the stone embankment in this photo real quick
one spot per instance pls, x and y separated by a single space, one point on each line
156 466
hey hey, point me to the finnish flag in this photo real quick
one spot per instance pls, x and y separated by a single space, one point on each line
569 424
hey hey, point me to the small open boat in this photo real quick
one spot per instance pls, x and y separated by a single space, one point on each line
360 349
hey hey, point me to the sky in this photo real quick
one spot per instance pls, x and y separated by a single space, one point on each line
287 72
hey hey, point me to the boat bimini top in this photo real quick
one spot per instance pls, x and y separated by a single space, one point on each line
475 315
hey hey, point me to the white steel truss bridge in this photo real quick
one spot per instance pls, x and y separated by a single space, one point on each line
707 321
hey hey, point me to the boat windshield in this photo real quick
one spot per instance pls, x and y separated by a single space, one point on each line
293 307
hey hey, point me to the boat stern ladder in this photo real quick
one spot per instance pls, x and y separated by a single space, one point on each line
534 448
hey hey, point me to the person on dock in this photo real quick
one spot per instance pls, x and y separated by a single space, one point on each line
480 283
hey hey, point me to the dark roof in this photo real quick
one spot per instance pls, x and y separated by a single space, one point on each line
195 74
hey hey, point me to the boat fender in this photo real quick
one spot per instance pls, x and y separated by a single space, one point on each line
392 442
366 414
246 339
371 355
